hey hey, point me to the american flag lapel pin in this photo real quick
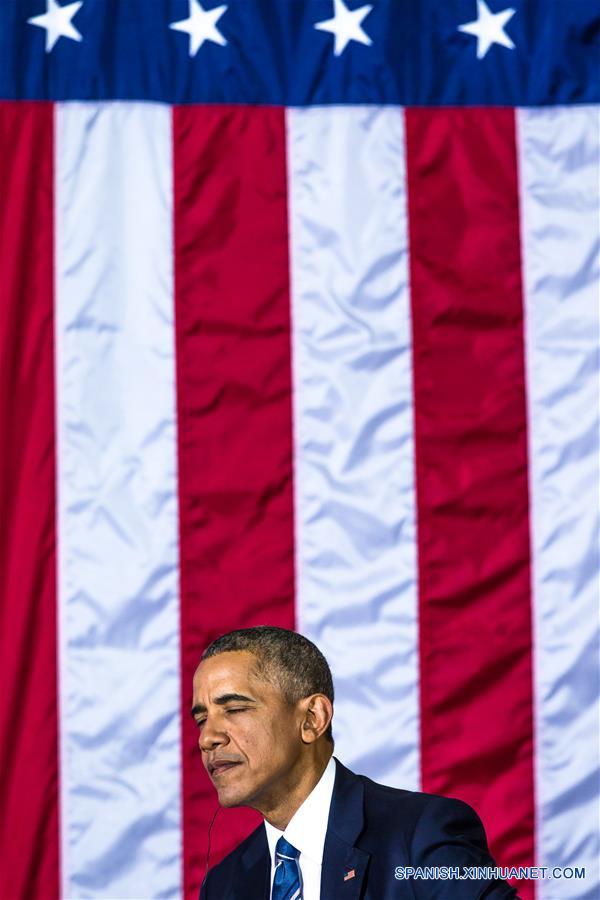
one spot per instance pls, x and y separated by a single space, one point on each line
349 874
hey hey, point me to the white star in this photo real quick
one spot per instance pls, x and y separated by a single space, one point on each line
346 26
201 26
488 28
57 22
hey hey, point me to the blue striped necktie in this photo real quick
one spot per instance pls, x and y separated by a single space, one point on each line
286 883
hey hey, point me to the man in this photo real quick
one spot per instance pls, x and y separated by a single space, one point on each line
263 701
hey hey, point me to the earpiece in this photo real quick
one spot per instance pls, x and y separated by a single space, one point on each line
216 813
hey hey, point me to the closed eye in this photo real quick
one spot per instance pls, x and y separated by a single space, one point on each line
235 709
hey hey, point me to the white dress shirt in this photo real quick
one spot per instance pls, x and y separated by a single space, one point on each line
306 832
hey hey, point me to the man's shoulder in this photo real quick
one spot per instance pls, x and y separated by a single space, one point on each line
220 875
397 809
384 795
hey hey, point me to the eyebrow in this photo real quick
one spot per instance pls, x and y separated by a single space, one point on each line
221 701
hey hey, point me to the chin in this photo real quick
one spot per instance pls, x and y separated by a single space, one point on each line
229 799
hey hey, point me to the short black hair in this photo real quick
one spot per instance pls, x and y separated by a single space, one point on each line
286 658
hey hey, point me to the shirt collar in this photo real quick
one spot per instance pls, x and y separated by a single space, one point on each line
307 828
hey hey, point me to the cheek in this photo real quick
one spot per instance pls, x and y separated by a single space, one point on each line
252 737
262 741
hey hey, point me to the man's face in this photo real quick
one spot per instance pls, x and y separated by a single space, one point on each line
249 736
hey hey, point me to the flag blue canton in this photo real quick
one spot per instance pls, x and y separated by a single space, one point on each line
426 53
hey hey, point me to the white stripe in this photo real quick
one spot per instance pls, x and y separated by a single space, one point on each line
118 583
355 494
559 162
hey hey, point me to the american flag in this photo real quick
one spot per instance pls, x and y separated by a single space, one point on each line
299 325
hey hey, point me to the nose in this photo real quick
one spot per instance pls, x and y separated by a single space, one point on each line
211 736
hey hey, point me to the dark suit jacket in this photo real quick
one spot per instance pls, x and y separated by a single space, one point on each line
371 830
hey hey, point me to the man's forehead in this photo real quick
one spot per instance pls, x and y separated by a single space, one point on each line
231 670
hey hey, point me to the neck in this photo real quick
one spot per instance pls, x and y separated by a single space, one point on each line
299 783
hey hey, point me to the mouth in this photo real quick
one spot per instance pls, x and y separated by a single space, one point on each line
220 767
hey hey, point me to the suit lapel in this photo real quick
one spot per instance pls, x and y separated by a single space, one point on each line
254 870
343 871
344 864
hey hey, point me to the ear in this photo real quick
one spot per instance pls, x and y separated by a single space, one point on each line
317 715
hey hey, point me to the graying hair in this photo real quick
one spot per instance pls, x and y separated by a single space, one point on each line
289 660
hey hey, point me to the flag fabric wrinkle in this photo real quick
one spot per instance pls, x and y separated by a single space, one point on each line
299 326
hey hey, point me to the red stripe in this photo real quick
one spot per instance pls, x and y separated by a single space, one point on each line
29 843
472 482
234 409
